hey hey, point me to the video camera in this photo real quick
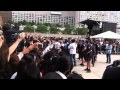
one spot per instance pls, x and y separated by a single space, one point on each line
10 33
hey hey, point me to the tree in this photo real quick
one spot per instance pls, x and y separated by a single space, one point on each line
68 29
20 22
58 25
47 24
29 28
32 23
24 22
81 31
42 28
39 23
54 30
10 21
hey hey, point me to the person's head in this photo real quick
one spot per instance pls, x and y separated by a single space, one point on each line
75 75
86 42
48 42
73 40
89 43
66 40
27 69
109 43
6 27
64 65
61 41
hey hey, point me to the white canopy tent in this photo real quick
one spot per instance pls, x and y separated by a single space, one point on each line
107 35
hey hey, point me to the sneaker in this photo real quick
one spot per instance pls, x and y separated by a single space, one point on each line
88 71
82 64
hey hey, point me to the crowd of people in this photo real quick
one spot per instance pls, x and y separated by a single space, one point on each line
24 56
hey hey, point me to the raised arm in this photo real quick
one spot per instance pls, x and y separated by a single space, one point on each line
27 50
13 47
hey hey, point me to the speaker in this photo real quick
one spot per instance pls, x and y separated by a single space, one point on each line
109 27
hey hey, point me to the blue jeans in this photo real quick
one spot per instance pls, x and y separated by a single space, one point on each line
108 58
73 58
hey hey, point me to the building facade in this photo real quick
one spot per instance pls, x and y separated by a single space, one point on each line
66 17
103 16
6 15
61 17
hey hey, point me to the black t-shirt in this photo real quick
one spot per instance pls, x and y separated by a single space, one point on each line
96 47
81 47
111 73
88 48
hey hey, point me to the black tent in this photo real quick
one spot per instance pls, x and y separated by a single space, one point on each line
90 24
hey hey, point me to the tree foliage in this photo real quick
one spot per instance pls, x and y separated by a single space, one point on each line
42 28
28 28
10 21
68 29
81 31
54 30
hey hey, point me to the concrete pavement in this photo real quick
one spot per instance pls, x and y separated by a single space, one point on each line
98 70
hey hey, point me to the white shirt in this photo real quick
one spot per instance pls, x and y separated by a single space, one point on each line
61 74
51 46
62 44
46 49
57 45
21 28
20 55
72 47
14 75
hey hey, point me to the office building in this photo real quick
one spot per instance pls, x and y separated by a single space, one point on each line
103 16
61 17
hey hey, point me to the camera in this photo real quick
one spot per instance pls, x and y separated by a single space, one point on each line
11 35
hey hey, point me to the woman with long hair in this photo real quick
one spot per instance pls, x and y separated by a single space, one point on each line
6 51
